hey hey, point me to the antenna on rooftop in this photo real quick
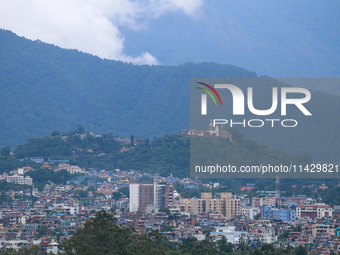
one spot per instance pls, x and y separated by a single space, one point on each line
277 185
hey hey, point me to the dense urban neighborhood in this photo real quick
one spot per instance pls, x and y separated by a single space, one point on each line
52 203
148 203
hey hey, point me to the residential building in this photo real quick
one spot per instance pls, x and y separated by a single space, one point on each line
70 168
267 234
229 233
284 214
225 204
317 211
322 232
19 179
158 194
249 213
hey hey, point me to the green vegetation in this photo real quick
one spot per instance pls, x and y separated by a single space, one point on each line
169 154
166 155
33 250
164 210
46 88
103 236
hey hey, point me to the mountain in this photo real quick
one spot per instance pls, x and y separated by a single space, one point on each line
44 88
283 38
170 154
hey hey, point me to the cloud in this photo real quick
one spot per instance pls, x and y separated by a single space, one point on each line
90 26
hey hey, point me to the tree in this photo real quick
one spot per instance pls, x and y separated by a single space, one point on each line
103 236
42 231
204 247
257 216
301 251
33 250
6 151
80 129
116 195
267 247
223 246
55 133
165 210
125 191
132 138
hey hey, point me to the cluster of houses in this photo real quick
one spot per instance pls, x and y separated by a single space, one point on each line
48 217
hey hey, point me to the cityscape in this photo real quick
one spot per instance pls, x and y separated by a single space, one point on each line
149 202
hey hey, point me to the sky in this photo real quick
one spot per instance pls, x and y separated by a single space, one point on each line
90 26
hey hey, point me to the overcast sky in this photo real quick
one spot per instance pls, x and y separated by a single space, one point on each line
89 25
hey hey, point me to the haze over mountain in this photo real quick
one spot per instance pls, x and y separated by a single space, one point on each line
44 88
282 38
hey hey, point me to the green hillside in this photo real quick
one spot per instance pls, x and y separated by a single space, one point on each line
170 154
43 88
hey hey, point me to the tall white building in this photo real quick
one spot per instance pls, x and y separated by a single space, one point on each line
19 179
158 194
134 196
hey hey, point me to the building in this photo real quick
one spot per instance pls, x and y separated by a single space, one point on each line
267 234
213 131
249 213
67 209
225 205
134 196
71 169
288 215
322 232
14 218
299 200
19 179
157 194
229 233
256 202
36 159
313 211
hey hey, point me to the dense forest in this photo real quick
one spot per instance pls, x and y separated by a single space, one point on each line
44 87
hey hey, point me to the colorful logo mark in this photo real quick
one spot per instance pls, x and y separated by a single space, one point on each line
209 93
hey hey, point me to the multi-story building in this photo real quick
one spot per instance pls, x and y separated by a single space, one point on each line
270 213
66 209
36 159
70 168
154 193
313 211
299 200
19 179
267 234
322 232
14 218
225 204
256 202
229 233
249 213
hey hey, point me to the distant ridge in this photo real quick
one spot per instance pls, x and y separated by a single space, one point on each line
44 88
